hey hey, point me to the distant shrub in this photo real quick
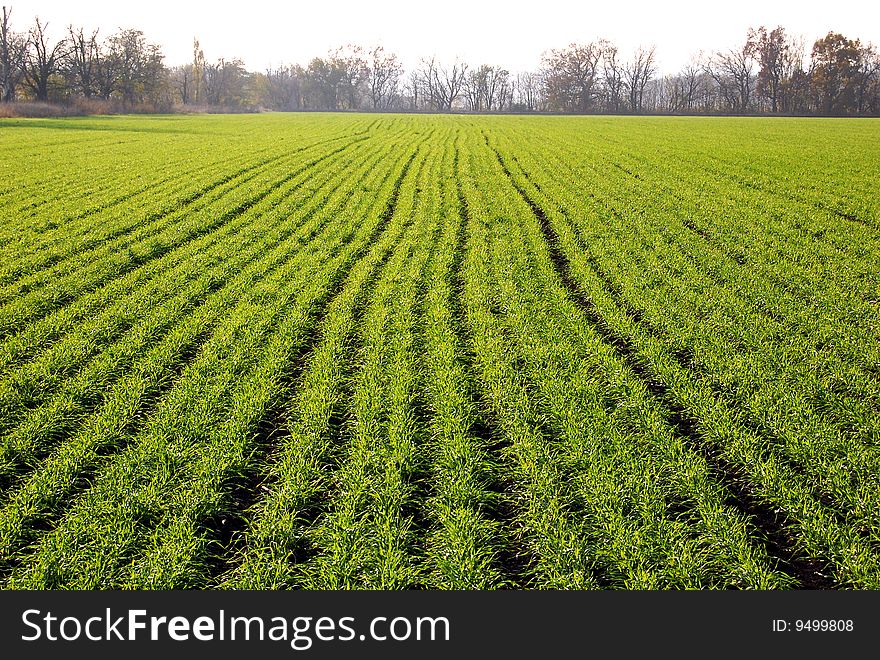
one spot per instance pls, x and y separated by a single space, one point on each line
34 109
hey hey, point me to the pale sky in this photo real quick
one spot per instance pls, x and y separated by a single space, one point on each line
512 34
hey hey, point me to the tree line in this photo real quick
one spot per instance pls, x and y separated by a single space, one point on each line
771 72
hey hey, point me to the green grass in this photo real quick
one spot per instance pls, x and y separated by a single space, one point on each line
377 351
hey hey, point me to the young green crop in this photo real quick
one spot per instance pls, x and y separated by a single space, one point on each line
348 351
124 402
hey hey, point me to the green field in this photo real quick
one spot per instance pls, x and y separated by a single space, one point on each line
348 351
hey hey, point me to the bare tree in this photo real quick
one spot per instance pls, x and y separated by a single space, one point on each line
683 88
350 72
613 78
182 82
447 84
285 87
442 86
487 88
867 81
473 84
13 51
498 89
383 73
655 95
668 93
107 73
83 60
431 97
636 75
527 91
423 84
413 90
41 62
734 73
691 78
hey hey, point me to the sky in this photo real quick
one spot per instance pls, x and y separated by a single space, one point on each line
511 33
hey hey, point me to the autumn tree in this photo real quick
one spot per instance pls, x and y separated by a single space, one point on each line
836 61
779 59
571 76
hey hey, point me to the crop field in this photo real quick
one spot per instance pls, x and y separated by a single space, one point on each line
375 351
